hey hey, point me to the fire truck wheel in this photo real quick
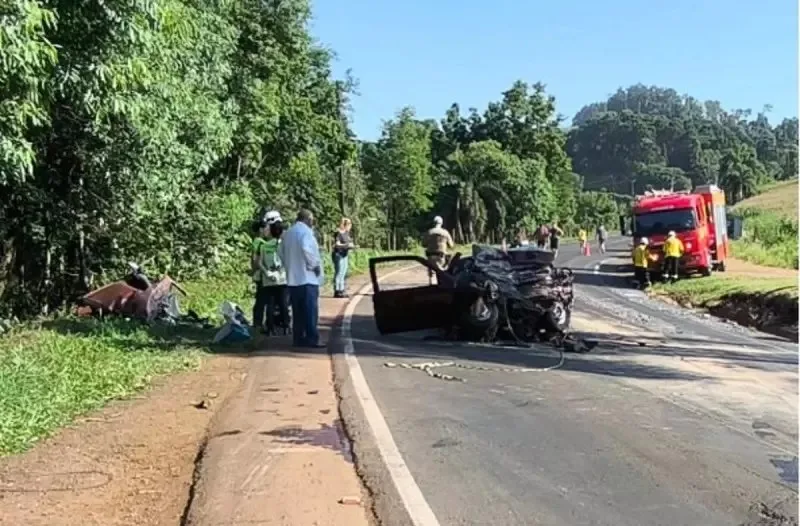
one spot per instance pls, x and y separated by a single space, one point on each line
705 271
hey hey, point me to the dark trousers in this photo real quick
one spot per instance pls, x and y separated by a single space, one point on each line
642 276
271 300
671 267
305 315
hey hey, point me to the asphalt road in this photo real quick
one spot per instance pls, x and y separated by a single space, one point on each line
674 419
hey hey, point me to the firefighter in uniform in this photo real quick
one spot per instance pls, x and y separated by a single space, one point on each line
673 250
641 258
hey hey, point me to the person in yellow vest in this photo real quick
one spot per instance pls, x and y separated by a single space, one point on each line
582 237
673 250
271 293
641 258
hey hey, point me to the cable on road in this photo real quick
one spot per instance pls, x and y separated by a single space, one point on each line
428 368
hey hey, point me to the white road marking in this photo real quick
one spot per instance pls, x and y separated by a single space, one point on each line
410 493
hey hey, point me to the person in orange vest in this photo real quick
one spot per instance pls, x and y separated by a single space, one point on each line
641 259
673 250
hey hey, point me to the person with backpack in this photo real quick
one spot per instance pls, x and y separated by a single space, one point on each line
270 278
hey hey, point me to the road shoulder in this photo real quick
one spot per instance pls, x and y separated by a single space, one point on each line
279 453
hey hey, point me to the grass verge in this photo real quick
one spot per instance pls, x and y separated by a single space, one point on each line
53 370
767 304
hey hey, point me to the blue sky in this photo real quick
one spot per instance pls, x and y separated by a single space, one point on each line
429 54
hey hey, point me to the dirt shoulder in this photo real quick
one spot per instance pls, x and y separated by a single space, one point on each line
129 463
278 454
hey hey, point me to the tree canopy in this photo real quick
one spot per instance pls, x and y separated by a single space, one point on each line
152 130
653 136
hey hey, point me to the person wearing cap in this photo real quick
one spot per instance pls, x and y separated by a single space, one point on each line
673 250
641 259
270 277
437 242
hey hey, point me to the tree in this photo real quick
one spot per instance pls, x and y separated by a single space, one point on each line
402 171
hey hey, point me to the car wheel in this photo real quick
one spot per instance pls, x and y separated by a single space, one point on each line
479 321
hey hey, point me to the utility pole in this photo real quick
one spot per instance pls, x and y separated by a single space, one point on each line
341 190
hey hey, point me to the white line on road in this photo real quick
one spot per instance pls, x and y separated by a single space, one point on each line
412 497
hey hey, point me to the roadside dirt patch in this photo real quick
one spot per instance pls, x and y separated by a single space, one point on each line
744 268
131 463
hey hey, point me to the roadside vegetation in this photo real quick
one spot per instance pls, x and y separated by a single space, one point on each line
768 304
770 226
55 369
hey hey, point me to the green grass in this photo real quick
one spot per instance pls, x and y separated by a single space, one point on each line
777 198
770 227
56 369
710 291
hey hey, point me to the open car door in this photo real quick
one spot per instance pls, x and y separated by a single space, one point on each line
415 307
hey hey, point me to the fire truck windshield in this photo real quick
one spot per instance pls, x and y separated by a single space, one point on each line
660 223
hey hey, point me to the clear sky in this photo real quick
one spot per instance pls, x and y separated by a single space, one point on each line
429 54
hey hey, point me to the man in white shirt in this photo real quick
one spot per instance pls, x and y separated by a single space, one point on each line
299 252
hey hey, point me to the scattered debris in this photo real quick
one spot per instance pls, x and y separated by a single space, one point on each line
202 404
351 501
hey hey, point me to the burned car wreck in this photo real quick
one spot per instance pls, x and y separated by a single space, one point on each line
516 295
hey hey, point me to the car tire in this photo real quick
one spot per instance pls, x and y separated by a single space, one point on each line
479 322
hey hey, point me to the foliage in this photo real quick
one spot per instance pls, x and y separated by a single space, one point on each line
490 173
770 226
153 134
52 371
653 136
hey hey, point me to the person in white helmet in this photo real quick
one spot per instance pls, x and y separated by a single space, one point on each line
673 251
437 242
641 260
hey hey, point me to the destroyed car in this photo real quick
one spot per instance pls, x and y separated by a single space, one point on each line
493 294
134 296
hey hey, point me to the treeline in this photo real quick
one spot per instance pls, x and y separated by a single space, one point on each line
152 131
653 136
489 174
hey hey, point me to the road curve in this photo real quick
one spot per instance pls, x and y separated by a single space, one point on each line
674 419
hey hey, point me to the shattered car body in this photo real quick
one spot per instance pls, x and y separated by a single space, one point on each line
135 297
517 295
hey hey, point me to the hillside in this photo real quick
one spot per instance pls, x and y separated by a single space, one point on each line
779 199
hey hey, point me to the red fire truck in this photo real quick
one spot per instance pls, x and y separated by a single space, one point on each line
699 220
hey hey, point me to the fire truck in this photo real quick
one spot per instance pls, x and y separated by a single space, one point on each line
698 218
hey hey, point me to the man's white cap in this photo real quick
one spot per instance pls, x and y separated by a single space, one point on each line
643 241
671 233
273 216
438 220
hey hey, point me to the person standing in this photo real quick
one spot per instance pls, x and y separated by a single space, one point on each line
555 236
602 236
542 235
299 251
256 251
274 280
342 246
582 238
641 260
437 242
673 250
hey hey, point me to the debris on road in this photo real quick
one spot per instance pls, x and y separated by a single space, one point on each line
350 501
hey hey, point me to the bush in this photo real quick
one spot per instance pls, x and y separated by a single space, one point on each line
769 239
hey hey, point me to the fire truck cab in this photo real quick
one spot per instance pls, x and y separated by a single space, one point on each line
698 219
